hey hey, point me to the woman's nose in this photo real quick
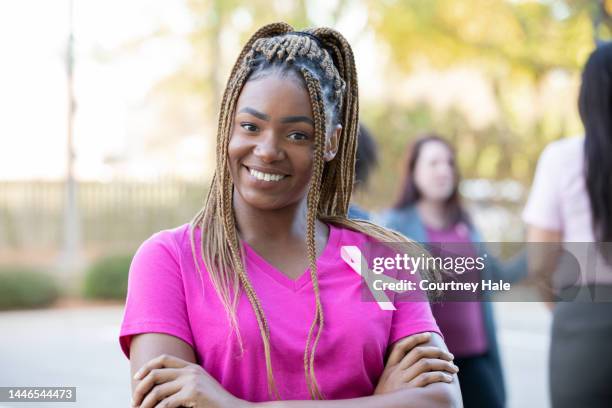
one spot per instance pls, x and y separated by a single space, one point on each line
268 148
444 170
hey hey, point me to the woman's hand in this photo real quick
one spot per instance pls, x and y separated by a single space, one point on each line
169 382
413 364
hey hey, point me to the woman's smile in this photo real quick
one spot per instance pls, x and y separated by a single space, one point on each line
264 178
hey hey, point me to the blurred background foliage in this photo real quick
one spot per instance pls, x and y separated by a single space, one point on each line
526 54
498 78
107 278
25 288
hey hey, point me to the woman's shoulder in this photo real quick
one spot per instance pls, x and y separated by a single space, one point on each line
168 235
341 235
164 243
564 151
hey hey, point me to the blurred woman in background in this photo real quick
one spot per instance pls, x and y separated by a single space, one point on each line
366 160
429 210
571 203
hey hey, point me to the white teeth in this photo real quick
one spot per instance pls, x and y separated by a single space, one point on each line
266 176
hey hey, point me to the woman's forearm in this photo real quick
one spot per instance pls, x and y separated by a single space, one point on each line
434 395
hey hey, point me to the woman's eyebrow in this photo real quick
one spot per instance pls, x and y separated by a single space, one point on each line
293 119
255 113
286 119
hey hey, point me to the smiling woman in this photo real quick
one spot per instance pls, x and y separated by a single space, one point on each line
270 149
254 283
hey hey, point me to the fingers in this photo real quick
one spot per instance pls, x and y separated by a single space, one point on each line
175 401
162 361
426 365
159 393
429 378
424 352
154 377
406 344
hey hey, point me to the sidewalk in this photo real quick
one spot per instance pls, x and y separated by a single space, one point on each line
524 335
66 347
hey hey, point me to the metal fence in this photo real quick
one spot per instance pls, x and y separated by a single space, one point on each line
115 214
119 215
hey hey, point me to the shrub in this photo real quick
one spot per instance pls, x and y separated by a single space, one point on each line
108 277
23 288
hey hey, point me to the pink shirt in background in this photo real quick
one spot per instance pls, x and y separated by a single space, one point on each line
461 321
166 295
559 201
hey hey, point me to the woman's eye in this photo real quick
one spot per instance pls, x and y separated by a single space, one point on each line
298 136
249 127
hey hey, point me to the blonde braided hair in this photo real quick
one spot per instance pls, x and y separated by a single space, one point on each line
322 56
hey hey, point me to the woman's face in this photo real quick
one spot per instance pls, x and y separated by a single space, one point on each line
434 172
271 146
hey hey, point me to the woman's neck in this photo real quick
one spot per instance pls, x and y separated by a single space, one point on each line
285 224
434 214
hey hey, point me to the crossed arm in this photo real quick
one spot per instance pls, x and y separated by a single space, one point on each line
418 373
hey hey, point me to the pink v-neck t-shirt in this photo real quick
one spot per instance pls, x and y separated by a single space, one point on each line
167 295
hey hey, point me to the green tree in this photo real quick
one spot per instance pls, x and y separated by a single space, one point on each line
515 44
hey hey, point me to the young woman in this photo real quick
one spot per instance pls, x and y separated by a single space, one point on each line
429 211
571 204
251 302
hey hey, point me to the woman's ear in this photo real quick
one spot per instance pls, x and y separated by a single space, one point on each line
331 143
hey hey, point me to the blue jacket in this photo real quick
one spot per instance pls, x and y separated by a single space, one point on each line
357 213
408 222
